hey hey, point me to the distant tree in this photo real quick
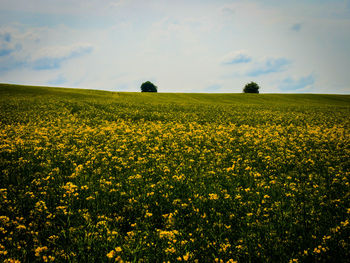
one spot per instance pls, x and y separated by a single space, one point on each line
148 87
251 87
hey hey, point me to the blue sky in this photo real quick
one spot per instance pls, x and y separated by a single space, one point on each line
181 46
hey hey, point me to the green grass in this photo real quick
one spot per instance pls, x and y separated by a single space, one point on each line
100 176
182 98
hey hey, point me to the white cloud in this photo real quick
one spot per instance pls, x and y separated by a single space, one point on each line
302 84
61 51
236 57
76 7
118 3
25 48
269 65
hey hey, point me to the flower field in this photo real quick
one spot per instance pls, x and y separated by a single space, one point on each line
93 176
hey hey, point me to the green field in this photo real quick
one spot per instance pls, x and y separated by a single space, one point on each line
97 176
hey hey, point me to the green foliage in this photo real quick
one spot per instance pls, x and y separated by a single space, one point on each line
148 87
102 176
251 87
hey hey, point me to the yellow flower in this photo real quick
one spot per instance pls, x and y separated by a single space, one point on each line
21 227
148 214
70 188
39 250
170 250
11 260
168 234
345 223
186 256
317 250
40 206
213 196
111 254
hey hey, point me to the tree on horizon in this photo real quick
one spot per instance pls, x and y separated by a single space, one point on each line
251 87
148 87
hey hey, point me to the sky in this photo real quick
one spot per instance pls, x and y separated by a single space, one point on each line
211 46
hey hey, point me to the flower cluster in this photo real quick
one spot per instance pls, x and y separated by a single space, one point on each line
128 178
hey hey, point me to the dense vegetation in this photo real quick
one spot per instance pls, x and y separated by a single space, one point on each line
149 177
148 87
251 87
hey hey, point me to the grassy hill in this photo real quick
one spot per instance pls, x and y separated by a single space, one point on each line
101 176
240 109
182 98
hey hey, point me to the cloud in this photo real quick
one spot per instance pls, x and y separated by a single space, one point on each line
47 63
5 36
227 11
8 63
13 56
302 84
53 57
118 3
122 87
5 51
60 80
64 51
7 46
296 27
213 88
270 65
236 57
62 7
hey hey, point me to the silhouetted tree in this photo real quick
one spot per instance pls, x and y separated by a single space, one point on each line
148 87
251 87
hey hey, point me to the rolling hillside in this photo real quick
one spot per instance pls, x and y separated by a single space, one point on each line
182 98
101 176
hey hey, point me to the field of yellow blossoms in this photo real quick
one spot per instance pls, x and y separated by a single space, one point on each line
92 176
